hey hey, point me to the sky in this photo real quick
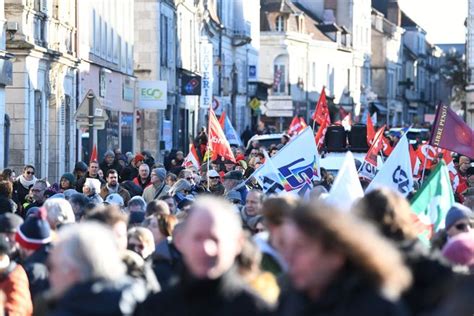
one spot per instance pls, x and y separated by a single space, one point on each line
443 20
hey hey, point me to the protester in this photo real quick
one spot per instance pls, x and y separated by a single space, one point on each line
215 185
212 238
59 212
37 195
78 203
8 174
9 224
158 187
7 205
110 162
233 180
158 207
34 239
88 276
91 190
112 186
92 173
13 284
143 179
141 241
171 179
131 171
67 181
22 185
171 202
251 212
336 266
432 278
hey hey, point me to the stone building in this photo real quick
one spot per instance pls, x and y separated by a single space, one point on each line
41 101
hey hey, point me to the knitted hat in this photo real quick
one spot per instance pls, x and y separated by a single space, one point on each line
34 232
456 213
114 199
460 249
109 153
161 173
10 222
80 166
69 177
139 157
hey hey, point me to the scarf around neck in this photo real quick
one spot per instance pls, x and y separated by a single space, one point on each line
25 183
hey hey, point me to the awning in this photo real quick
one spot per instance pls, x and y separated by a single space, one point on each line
379 107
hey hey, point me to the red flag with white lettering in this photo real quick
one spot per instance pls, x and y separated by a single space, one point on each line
321 113
218 143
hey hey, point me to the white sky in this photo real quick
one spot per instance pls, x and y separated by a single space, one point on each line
443 20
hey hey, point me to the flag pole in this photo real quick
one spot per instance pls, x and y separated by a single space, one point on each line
208 150
423 174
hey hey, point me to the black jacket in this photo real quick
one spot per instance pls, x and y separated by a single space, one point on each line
433 279
37 271
100 297
128 173
224 296
106 167
347 295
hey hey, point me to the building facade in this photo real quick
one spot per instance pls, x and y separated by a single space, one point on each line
106 45
41 101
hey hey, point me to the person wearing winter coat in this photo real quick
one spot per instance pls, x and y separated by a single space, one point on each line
339 265
433 278
87 275
14 284
22 185
110 162
211 239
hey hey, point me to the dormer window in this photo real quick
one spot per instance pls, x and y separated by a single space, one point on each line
280 23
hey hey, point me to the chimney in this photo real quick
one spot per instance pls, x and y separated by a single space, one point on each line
394 14
330 7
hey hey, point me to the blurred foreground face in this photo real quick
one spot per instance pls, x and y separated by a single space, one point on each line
311 268
61 275
209 248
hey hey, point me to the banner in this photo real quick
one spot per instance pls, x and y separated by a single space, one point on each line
346 188
293 168
396 173
432 202
207 66
451 132
152 95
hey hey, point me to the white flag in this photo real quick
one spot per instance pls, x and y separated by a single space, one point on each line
396 173
293 168
346 188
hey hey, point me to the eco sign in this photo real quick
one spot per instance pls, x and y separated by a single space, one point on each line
152 95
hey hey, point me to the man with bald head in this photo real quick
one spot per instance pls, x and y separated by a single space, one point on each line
211 239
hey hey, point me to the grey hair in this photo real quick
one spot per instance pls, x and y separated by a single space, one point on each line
180 185
59 211
92 250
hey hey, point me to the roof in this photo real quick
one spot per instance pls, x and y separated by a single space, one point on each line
284 6
311 21
382 5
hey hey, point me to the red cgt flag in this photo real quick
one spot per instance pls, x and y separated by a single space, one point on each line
376 147
370 130
222 120
451 132
296 126
93 154
321 113
218 143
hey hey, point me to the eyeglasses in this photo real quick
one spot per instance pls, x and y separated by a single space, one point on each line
138 247
189 178
213 178
30 172
463 226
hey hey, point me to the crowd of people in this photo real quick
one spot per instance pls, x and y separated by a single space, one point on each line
131 236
